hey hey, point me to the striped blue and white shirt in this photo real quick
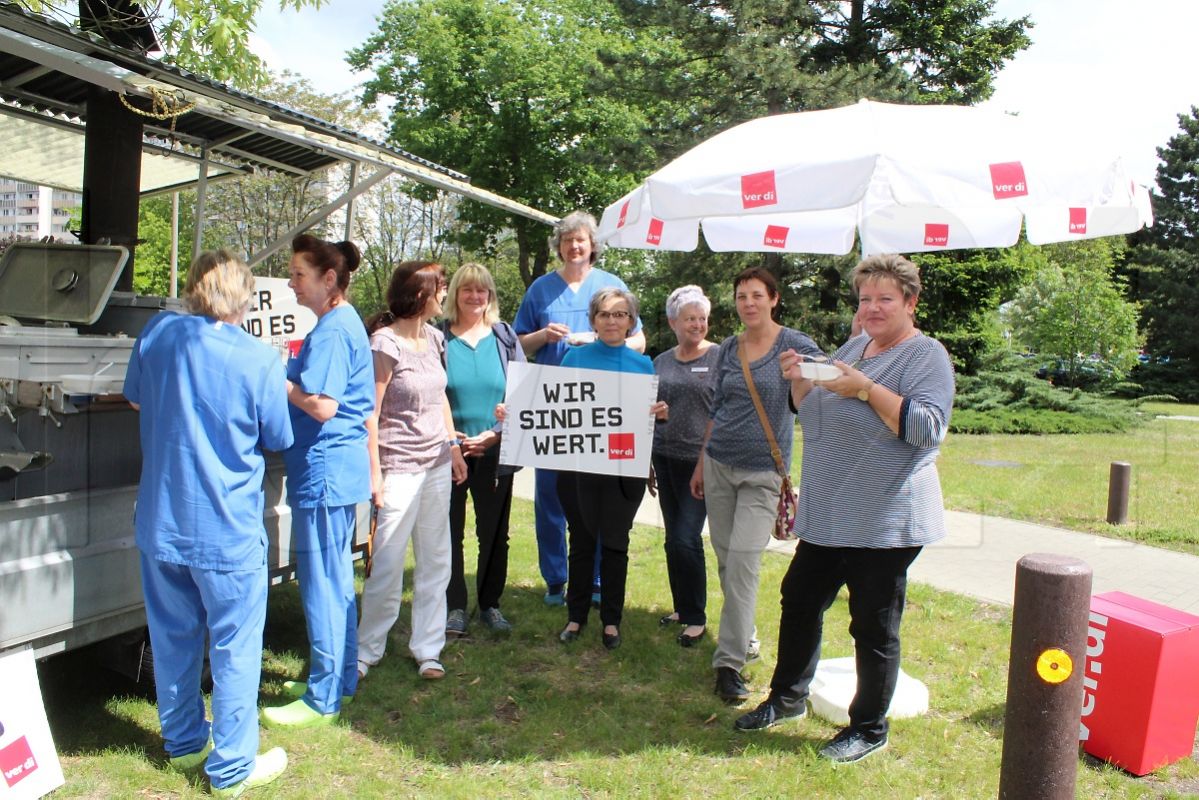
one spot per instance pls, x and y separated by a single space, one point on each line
860 484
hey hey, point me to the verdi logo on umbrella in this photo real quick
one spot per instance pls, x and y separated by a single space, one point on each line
892 178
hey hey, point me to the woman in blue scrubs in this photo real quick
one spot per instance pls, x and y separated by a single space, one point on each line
331 391
211 399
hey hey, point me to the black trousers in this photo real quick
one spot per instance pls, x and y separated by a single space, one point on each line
493 504
599 512
683 517
877 581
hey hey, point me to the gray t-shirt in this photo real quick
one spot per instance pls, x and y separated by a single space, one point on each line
687 387
737 437
861 485
412 433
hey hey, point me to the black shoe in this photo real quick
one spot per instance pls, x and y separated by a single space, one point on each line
690 641
850 745
567 636
767 715
669 620
611 640
730 686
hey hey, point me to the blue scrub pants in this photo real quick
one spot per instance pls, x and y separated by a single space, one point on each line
178 601
322 538
550 523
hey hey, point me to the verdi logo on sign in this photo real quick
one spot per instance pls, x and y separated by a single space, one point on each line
654 236
776 236
758 190
1078 220
1007 180
17 762
936 234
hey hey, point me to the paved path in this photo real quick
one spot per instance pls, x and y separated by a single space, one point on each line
978 557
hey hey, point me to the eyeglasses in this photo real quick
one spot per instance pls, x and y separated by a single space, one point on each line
617 315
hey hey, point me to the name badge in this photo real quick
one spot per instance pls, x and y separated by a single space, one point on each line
699 369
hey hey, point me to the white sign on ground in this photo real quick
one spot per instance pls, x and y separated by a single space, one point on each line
29 766
276 318
580 420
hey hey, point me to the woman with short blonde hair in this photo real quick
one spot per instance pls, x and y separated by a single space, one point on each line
219 285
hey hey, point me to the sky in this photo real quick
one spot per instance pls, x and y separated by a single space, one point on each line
1122 70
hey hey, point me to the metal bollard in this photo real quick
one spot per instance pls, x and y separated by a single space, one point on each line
1117 492
1044 688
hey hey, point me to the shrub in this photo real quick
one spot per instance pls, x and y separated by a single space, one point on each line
1005 397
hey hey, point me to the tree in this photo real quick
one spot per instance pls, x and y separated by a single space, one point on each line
209 37
510 94
1164 262
1075 308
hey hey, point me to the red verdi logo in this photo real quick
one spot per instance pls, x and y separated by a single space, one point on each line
1007 180
620 446
654 236
1078 220
624 213
17 762
776 236
294 346
758 190
936 234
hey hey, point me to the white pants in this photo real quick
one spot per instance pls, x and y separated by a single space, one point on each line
416 506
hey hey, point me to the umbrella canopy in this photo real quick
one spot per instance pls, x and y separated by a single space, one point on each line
903 178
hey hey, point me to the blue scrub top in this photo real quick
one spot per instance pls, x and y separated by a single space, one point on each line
329 465
212 398
550 299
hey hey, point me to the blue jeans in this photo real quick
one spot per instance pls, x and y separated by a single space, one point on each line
683 517
877 579
182 604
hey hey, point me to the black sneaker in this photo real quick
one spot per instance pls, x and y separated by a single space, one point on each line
767 715
730 686
850 745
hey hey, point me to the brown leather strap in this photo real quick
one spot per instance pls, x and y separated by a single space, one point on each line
753 394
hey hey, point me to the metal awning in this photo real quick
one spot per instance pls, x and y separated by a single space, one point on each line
47 68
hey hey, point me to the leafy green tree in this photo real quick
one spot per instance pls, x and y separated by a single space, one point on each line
1075 307
209 37
153 274
510 94
1164 262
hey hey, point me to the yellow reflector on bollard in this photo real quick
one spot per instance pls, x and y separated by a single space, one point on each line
1054 665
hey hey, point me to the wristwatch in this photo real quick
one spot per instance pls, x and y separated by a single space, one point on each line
864 394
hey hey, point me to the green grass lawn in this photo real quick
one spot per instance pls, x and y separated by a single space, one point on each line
1063 480
528 717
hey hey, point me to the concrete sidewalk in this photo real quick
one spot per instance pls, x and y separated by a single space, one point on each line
978 557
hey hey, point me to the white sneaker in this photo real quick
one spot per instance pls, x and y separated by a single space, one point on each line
267 767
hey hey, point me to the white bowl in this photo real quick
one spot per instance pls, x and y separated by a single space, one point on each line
582 337
816 371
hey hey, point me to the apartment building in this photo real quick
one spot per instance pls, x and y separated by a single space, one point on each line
29 211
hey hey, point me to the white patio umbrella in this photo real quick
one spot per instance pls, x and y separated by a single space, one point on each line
904 178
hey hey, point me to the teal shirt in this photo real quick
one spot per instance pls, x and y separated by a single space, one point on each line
619 358
475 383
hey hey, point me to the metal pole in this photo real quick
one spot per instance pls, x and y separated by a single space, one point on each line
350 203
1045 672
1117 492
174 288
201 205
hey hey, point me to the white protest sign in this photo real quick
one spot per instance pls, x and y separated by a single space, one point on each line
276 317
581 420
28 762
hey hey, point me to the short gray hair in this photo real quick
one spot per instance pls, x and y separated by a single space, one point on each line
888 265
219 285
577 221
607 293
690 295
